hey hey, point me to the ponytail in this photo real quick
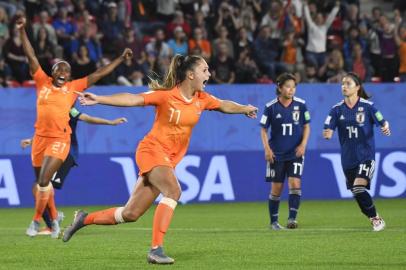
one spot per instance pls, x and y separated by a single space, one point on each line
176 73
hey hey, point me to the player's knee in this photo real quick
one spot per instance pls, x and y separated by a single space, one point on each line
128 216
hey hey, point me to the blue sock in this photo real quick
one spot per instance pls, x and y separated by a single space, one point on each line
47 218
364 201
273 205
294 202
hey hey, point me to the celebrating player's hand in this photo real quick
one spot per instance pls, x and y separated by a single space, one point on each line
269 155
300 150
251 111
327 134
127 54
20 23
87 99
25 143
385 129
119 121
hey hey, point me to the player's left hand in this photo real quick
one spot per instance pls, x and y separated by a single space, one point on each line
385 129
251 111
127 54
119 121
87 98
300 150
25 143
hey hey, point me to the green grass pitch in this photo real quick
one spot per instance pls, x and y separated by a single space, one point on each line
331 235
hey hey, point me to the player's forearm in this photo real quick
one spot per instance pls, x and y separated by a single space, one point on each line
104 71
232 107
28 50
264 139
306 135
121 100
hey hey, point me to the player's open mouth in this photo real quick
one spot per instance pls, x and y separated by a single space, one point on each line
60 80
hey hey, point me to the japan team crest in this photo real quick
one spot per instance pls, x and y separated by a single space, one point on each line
360 117
296 116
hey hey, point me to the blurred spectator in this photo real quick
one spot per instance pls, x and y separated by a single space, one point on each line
44 23
359 64
5 73
4 32
142 14
389 65
290 52
247 21
274 19
202 6
178 20
246 69
223 70
333 70
15 56
158 47
82 65
199 21
223 39
111 28
179 44
242 41
10 7
84 19
310 74
165 9
92 44
266 52
226 17
44 50
129 40
317 34
202 44
400 37
130 73
65 29
353 37
352 18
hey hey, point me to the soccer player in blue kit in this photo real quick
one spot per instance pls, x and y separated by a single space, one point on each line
354 117
288 118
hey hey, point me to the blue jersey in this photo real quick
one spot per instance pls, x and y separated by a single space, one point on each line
355 131
286 124
73 120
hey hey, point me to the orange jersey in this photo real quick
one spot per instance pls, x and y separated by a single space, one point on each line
54 104
175 118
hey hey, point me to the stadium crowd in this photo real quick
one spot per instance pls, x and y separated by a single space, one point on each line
244 41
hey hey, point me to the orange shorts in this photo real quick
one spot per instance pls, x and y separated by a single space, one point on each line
151 154
47 146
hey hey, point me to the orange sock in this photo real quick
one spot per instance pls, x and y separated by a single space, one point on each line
162 219
103 217
41 202
51 204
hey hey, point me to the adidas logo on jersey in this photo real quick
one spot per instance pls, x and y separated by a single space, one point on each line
278 116
342 117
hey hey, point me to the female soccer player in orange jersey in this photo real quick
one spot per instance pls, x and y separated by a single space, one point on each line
51 141
178 102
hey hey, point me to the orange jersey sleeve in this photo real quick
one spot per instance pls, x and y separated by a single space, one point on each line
210 102
40 78
155 97
79 85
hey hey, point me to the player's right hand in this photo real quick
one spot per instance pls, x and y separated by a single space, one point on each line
327 134
269 155
20 22
87 99
25 143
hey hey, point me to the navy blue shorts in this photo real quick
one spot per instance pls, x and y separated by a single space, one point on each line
59 177
279 170
365 170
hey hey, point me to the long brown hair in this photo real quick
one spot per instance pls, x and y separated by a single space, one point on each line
176 73
361 91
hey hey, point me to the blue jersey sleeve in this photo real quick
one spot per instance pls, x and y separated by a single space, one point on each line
377 116
331 120
265 121
306 114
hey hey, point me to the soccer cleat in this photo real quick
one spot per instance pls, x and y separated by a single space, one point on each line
33 229
292 224
60 217
276 226
77 224
157 256
378 224
56 229
45 231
